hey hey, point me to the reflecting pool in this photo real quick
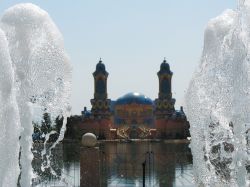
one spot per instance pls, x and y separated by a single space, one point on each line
166 164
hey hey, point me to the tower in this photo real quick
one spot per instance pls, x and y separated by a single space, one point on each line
100 103
164 103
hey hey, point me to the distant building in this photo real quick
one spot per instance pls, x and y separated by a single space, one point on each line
134 115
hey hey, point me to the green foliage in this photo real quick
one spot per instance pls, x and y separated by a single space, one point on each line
57 128
58 123
36 128
46 123
46 126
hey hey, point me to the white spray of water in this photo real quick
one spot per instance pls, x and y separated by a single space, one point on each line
42 72
218 101
9 119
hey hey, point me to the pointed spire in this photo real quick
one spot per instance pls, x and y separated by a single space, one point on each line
100 61
165 61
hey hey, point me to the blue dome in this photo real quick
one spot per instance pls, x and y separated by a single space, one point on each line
134 97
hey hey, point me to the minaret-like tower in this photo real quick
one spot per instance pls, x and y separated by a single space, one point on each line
164 103
100 103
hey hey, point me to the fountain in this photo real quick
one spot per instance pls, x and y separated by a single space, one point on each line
218 102
9 119
35 75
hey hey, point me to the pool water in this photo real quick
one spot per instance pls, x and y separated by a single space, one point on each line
166 164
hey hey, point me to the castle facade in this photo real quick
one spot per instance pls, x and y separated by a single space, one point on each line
133 116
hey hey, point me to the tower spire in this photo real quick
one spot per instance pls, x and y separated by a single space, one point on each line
100 103
165 102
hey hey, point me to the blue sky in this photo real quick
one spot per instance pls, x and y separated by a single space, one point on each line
132 37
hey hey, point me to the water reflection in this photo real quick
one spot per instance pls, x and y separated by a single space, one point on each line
167 164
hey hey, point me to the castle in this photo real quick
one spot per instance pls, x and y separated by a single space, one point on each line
133 116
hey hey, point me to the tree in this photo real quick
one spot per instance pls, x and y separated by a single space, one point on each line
46 123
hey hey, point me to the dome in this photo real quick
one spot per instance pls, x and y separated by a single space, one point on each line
134 97
100 66
165 68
